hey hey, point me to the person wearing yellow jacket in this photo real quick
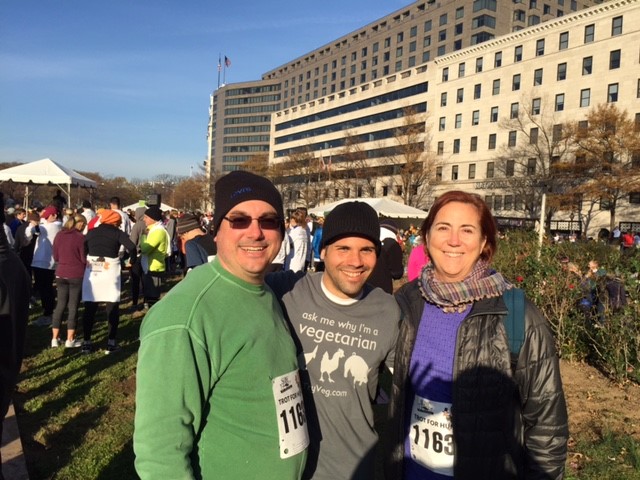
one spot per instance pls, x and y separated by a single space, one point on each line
155 246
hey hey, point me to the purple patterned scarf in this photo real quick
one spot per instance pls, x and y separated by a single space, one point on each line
482 282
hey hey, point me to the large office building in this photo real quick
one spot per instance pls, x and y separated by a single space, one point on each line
453 77
480 106
412 36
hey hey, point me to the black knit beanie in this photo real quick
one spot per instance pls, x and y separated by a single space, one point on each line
389 225
154 213
351 219
240 186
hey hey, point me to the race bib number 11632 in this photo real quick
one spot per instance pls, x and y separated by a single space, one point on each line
431 435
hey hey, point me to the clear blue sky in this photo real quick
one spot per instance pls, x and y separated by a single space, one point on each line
122 87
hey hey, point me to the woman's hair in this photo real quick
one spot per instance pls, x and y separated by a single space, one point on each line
74 222
299 216
487 222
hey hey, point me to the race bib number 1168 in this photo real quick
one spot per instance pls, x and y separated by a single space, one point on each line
292 421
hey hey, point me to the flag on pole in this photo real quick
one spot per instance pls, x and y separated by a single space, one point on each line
219 63
227 62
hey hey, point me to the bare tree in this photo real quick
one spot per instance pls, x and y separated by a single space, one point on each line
538 143
356 174
258 164
607 157
413 163
190 193
297 178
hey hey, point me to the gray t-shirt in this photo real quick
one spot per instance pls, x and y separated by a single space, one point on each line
342 349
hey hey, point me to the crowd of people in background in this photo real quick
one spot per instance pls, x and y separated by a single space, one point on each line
69 253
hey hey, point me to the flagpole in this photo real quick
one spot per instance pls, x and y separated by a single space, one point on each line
224 72
219 67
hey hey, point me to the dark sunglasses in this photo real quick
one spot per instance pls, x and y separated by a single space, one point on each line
241 222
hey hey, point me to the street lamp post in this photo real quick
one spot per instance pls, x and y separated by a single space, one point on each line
543 207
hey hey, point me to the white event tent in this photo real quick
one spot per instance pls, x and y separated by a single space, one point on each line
46 172
142 203
384 206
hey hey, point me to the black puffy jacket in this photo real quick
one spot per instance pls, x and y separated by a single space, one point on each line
508 423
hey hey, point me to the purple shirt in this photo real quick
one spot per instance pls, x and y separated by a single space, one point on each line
431 373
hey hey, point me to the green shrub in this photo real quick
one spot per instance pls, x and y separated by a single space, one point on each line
542 272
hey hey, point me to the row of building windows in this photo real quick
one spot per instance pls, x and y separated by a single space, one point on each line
249 129
252 119
236 158
353 107
518 55
232 92
249 100
247 139
584 100
246 148
510 170
354 123
343 85
373 136
248 110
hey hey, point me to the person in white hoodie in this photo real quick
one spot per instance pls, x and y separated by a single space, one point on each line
43 264
297 257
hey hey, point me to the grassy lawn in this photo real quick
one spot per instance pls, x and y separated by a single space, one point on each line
610 457
75 413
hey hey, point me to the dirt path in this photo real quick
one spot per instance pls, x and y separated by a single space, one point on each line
597 404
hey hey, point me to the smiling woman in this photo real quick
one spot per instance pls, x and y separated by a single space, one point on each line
455 241
458 410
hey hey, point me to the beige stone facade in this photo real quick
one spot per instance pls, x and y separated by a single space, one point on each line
400 41
556 70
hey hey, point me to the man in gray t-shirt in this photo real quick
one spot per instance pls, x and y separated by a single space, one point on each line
345 330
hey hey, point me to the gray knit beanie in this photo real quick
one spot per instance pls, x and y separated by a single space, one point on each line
188 222
351 219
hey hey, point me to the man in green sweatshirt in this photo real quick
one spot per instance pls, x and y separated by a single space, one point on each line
218 390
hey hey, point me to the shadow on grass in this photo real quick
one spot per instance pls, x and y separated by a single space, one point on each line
121 467
75 411
49 438
43 463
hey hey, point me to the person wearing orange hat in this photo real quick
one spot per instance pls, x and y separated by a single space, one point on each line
102 276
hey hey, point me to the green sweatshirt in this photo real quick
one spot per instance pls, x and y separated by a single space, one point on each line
205 401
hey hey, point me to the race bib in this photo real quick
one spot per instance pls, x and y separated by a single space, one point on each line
431 435
99 266
292 421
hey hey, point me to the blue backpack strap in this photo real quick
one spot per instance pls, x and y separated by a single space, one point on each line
514 321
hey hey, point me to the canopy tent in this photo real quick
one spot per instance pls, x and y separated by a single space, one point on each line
384 206
142 203
46 172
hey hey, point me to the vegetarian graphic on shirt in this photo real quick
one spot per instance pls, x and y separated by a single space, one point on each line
338 354
328 365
